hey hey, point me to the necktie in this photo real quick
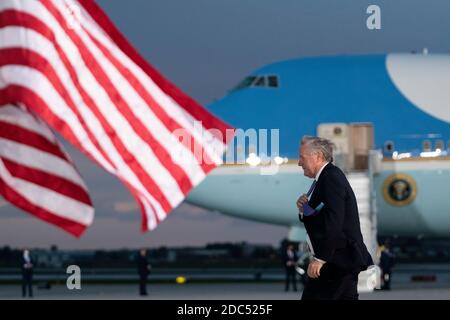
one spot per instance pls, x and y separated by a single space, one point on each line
311 189
308 240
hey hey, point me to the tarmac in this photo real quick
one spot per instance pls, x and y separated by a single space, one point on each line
197 291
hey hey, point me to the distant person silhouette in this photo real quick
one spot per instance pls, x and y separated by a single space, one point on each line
387 261
290 262
144 269
27 274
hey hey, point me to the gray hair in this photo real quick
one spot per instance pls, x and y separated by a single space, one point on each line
320 145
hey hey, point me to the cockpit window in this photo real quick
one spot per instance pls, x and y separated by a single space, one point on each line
262 81
273 81
247 82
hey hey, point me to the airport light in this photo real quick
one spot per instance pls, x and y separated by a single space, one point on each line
180 280
430 154
404 155
279 160
253 160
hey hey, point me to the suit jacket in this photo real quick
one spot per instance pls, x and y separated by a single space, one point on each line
387 261
29 269
143 266
335 230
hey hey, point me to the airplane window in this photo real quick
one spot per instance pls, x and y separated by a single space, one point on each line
260 82
273 81
389 146
247 82
337 131
426 146
439 144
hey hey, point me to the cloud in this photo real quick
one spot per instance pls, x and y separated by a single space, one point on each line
111 233
126 206
3 203
192 210
189 212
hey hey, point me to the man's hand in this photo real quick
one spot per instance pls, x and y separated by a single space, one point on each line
314 269
301 201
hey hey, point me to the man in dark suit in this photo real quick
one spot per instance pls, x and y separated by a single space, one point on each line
144 269
386 264
330 214
27 273
290 262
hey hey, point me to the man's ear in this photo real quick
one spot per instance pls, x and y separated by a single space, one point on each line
317 156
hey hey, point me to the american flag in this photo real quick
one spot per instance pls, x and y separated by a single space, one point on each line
65 62
37 175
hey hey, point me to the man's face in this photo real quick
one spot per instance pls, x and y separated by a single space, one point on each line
308 161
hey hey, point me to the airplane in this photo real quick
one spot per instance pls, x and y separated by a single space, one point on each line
401 101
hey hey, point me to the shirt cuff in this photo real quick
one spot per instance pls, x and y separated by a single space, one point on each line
320 260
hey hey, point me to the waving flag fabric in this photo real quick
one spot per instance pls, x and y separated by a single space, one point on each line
37 175
65 62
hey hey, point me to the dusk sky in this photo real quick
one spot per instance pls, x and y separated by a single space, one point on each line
206 47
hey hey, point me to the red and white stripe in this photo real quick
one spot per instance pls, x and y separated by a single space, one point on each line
37 175
66 61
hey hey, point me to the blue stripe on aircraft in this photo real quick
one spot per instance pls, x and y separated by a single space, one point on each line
330 89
